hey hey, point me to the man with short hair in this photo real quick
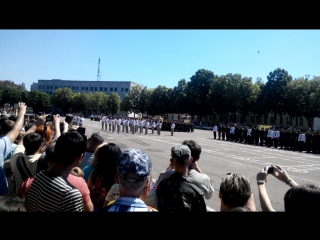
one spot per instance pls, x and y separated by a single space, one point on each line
195 174
176 193
93 142
215 129
24 159
235 191
172 128
50 190
133 176
5 145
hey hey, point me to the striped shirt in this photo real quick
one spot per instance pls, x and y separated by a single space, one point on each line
52 193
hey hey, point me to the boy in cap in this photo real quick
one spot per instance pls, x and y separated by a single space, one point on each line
133 170
176 193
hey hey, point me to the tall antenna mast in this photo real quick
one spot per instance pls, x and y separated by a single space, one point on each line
98 76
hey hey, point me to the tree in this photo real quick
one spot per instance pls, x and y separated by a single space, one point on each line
219 97
62 98
113 103
198 92
125 104
104 106
39 101
275 91
134 96
98 100
10 95
179 95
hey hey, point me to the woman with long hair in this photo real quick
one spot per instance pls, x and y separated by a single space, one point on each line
102 176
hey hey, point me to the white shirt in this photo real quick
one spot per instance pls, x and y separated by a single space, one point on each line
172 125
276 134
270 134
215 128
302 137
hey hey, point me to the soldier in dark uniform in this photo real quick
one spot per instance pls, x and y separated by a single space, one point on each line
223 131
308 141
281 138
219 130
192 127
262 136
228 132
316 145
294 140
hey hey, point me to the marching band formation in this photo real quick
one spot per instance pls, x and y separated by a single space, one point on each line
134 125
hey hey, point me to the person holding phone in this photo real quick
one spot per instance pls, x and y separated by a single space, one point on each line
262 178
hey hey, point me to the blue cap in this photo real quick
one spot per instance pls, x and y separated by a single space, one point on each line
136 162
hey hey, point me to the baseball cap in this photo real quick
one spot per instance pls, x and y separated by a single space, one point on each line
136 162
181 154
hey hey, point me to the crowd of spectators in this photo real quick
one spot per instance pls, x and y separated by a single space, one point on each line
51 167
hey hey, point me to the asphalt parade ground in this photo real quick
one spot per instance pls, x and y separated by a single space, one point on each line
220 157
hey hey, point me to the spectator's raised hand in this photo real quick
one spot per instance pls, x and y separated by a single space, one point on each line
22 108
41 120
263 174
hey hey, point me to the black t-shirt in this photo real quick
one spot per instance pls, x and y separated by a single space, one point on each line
177 194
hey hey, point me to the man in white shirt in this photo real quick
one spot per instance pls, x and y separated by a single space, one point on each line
106 123
103 121
215 129
172 128
110 124
276 135
153 126
147 126
118 125
301 140
159 125
133 126
269 137
114 124
232 133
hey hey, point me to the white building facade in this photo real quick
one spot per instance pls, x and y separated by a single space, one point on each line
107 87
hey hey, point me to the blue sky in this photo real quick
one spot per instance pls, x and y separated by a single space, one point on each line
155 57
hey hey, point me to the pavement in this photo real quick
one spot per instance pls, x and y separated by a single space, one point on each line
220 157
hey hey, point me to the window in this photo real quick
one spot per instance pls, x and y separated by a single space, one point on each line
126 89
95 88
301 121
251 119
50 93
281 121
111 89
101 88
39 86
72 87
91 88
86 88
271 120
56 87
82 88
115 89
288 121
50 87
47 87
76 88
105 89
122 89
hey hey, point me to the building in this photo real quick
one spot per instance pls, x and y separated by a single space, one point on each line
108 87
